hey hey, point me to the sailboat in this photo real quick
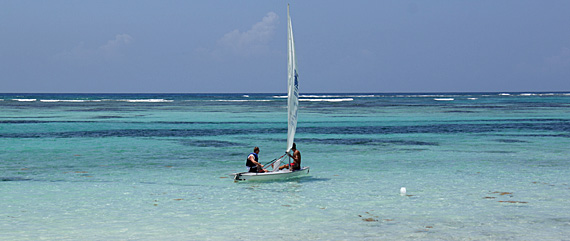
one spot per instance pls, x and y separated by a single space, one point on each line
292 106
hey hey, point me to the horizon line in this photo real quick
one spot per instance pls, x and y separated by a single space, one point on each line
254 93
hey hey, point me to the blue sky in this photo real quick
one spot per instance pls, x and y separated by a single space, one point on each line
240 46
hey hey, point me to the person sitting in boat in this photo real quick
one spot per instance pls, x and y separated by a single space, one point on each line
253 161
296 165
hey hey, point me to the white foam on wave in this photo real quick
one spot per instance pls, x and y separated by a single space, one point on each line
241 100
362 96
444 99
25 100
544 94
335 96
75 101
146 100
328 100
472 98
424 96
504 94
284 97
327 96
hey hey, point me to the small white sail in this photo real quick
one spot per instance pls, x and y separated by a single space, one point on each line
276 165
292 85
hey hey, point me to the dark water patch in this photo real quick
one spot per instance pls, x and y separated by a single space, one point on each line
514 106
510 141
529 120
538 135
133 133
151 183
108 117
364 141
210 143
22 122
501 152
557 126
413 149
235 154
32 121
100 109
460 111
495 128
34 117
350 116
39 122
512 202
14 179
211 122
564 221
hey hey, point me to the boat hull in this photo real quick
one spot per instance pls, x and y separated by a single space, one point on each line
268 176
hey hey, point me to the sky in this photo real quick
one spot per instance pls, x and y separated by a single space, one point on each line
216 46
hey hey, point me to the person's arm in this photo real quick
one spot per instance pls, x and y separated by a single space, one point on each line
291 166
252 159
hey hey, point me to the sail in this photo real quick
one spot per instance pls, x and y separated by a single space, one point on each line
292 85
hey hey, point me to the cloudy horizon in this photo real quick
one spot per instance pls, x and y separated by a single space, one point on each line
363 46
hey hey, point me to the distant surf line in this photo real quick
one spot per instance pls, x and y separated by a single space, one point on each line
79 101
333 97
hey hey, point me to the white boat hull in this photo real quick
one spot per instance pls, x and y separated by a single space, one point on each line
267 176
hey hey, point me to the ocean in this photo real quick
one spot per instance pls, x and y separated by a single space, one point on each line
475 166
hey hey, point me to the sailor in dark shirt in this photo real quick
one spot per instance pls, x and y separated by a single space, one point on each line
252 161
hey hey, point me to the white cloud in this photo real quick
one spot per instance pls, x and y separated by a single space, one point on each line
78 52
251 42
114 44
111 50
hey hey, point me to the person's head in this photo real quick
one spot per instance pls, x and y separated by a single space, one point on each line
256 150
294 146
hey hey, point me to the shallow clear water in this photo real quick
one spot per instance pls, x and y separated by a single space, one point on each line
147 167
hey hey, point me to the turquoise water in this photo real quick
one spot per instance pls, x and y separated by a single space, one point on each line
483 166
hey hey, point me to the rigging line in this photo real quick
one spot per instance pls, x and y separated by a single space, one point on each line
272 161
